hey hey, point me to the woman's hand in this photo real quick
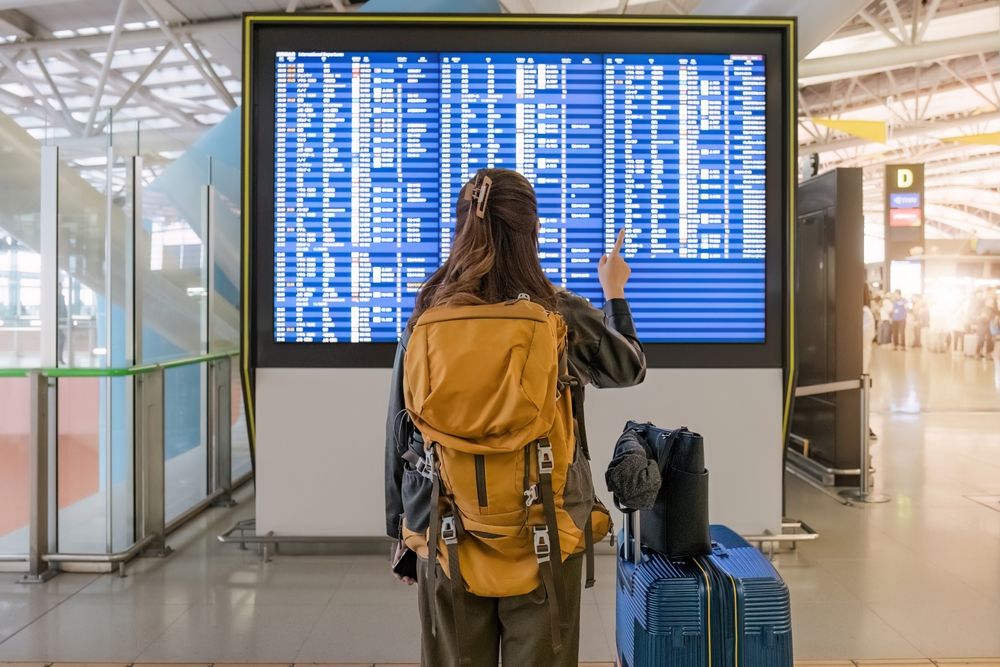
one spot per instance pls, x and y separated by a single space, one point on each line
613 271
397 553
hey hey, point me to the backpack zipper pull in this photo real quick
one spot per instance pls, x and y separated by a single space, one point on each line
520 297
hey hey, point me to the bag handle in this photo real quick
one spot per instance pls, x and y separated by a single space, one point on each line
631 536
665 461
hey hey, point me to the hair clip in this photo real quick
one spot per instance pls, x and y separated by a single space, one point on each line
480 192
483 196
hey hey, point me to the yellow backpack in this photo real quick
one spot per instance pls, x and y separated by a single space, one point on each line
488 388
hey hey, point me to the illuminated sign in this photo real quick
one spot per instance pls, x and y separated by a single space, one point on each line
905 217
904 200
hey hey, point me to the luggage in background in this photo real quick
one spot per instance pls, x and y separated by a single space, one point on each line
969 344
728 609
884 332
937 340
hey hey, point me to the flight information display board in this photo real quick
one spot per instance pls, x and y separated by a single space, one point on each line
372 148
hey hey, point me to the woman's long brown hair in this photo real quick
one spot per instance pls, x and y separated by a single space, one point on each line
494 258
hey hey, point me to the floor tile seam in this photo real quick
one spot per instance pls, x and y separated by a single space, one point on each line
896 630
878 530
333 594
936 565
47 611
966 458
610 642
958 575
164 631
887 537
854 597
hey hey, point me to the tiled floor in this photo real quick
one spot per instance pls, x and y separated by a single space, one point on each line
913 579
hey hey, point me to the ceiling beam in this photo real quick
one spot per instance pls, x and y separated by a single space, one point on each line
928 17
127 95
87 63
879 26
172 35
13 22
897 18
835 104
108 57
129 39
52 85
24 105
811 71
68 122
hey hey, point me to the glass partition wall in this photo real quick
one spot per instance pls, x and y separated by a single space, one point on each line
119 316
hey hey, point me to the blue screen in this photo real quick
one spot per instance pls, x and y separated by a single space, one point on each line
372 148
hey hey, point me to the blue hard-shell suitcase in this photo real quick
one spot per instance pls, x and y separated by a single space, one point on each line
729 609
751 600
662 612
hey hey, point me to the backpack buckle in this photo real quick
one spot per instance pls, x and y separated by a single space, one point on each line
531 495
541 539
425 464
546 460
448 530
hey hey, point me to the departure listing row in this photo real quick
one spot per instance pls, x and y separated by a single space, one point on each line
372 149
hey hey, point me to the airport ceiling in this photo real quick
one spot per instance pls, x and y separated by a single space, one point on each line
928 69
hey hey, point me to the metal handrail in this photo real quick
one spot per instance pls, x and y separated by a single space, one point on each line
827 388
148 445
106 371
865 492
121 558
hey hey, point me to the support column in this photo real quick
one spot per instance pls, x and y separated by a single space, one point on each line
43 531
38 531
220 429
150 461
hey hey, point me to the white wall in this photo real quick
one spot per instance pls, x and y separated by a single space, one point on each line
320 439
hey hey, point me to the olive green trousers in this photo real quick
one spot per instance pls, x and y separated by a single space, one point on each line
515 628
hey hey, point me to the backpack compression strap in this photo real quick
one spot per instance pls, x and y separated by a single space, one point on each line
554 588
432 537
451 531
588 537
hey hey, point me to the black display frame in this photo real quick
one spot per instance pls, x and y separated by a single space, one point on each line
264 35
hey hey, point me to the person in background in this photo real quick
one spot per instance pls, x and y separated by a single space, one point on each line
867 338
897 314
995 329
883 314
921 317
986 315
62 328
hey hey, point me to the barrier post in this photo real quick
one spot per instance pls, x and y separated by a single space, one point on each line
864 493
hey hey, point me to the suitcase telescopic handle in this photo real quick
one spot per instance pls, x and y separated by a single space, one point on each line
631 532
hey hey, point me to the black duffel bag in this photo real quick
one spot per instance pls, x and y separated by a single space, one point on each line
676 524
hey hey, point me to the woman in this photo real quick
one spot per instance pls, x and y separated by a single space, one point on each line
495 259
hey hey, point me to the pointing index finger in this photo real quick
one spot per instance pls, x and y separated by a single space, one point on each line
618 242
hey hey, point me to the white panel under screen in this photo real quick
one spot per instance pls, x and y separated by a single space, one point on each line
320 438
